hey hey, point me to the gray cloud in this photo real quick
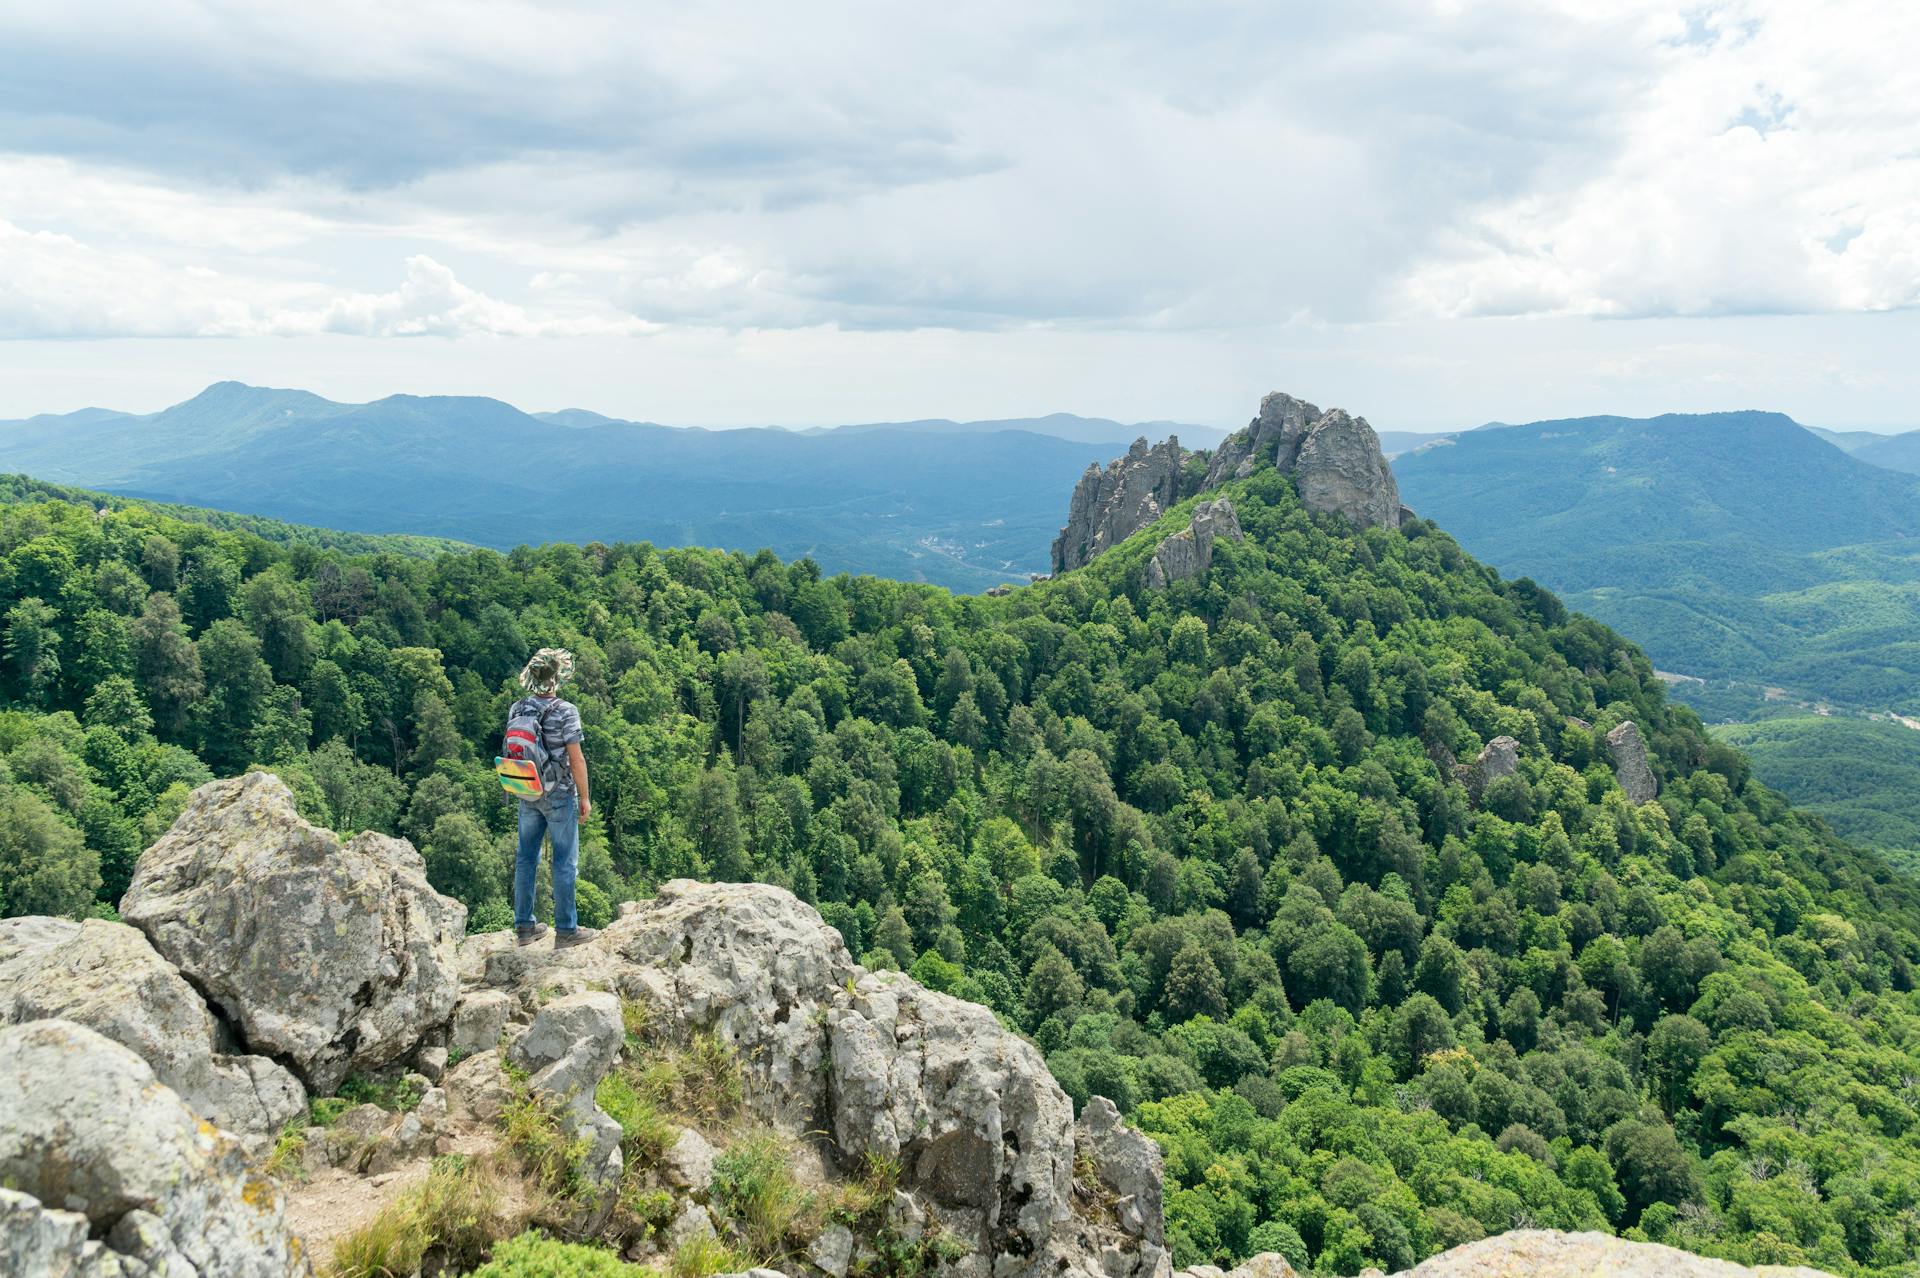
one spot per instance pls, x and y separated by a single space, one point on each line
1211 167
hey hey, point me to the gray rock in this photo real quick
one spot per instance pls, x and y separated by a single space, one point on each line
330 957
1275 435
431 1062
350 1140
1500 758
572 1044
478 1019
832 1251
980 1129
690 1224
107 977
1268 1264
1546 1253
1189 552
1340 470
477 1089
86 1127
1333 457
1110 504
1128 1164
688 1163
985 1137
37 1241
1630 765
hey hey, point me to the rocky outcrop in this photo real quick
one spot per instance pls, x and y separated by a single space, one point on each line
1112 503
112 1174
1340 470
1630 764
107 977
570 1046
984 1137
1500 758
330 957
1189 552
1546 1253
1333 457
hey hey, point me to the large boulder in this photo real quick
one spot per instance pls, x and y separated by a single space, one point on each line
1630 764
1500 758
970 1112
107 977
330 956
571 1045
745 961
1547 1253
87 1131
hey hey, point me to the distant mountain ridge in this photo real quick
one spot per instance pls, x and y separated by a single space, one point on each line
966 505
1732 545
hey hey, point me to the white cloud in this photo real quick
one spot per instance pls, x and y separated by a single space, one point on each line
432 303
220 167
1771 165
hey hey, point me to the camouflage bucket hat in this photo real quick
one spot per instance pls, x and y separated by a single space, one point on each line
548 669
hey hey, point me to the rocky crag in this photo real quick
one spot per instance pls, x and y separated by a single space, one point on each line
146 1067
1333 457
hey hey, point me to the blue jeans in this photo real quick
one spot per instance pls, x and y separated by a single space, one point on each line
562 821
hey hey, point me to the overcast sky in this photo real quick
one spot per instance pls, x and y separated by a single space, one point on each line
1434 214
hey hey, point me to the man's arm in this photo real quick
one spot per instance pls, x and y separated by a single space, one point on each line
577 764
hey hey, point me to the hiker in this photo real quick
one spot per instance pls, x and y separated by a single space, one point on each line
543 737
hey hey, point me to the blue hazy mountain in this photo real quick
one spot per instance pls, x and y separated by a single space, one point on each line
963 504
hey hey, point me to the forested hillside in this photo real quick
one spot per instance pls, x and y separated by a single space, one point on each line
1862 775
1207 845
1733 546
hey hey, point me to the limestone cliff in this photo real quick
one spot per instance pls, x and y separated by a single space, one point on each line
1113 502
1333 457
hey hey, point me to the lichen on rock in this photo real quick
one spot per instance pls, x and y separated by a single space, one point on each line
328 956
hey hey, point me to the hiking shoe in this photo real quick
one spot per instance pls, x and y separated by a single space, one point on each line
578 936
528 935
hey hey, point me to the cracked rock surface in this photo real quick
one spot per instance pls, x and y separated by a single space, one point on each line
107 977
111 1173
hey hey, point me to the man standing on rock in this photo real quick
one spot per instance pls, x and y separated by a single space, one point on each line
557 812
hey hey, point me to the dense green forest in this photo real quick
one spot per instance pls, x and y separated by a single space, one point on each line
1207 845
1862 775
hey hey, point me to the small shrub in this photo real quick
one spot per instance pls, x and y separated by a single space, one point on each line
455 1212
645 1136
396 1095
753 1182
701 1257
535 1255
325 1111
551 1157
288 1149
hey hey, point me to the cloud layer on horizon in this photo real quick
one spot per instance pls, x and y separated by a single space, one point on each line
228 168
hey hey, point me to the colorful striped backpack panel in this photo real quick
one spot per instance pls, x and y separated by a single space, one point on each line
520 778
